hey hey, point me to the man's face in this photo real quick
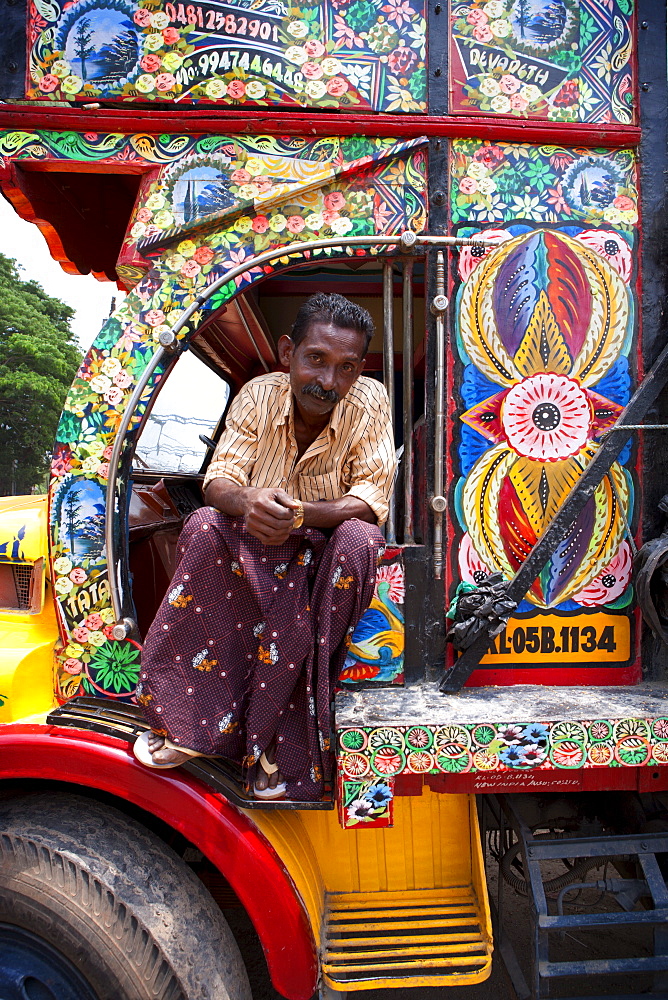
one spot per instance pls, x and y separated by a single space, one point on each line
323 367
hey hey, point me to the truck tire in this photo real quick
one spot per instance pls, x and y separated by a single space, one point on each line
87 892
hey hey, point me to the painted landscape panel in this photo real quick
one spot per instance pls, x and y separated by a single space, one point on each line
564 60
352 55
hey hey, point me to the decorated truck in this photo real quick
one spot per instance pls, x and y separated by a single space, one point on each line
487 178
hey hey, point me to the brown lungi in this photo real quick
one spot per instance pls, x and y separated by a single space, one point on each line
250 639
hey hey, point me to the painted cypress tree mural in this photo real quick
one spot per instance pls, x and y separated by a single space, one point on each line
83 36
522 15
72 520
190 203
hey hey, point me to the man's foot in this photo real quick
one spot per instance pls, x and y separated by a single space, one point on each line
163 755
268 781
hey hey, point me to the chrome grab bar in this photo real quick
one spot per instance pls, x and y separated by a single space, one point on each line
407 240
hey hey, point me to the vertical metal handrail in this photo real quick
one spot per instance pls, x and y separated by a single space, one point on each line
438 501
408 399
388 374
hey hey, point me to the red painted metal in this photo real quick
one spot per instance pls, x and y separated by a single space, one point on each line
224 834
39 197
22 116
573 676
583 779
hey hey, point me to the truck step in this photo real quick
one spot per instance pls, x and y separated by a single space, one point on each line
432 937
126 722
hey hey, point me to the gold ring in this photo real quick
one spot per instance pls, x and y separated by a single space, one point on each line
298 516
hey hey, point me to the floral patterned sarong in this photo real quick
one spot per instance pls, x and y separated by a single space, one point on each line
250 639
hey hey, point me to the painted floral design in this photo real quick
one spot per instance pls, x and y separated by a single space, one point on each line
393 576
600 754
660 753
355 765
386 738
471 567
600 730
387 761
631 727
470 257
419 738
113 668
343 54
533 323
542 59
354 739
272 199
611 582
568 753
633 751
366 802
660 729
610 244
546 417
420 761
504 182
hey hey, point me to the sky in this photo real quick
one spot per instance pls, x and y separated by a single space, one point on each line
90 298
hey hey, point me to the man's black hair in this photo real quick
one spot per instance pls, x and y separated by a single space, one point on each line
329 307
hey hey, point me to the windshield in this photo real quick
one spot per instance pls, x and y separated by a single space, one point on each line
190 403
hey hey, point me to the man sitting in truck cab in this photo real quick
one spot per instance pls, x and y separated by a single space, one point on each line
275 572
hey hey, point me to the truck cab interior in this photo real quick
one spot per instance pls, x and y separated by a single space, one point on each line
234 345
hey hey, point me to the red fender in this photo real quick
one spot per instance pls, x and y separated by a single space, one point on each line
217 828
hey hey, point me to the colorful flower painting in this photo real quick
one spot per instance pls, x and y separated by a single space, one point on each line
507 182
365 803
564 60
348 54
544 326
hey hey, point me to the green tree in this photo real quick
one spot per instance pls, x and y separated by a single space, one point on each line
38 360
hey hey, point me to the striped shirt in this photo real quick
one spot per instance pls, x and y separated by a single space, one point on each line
353 456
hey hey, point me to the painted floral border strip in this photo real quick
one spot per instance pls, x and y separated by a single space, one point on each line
504 181
482 747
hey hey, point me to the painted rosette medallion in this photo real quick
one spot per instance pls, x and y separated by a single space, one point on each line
543 318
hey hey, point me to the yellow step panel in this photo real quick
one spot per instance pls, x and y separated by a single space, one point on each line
425 875
434 937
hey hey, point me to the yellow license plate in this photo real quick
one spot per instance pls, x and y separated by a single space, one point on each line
557 639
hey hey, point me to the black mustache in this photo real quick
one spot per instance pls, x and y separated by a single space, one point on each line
326 395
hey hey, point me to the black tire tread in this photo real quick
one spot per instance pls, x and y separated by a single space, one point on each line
151 919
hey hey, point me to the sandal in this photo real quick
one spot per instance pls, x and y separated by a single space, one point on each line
144 755
269 793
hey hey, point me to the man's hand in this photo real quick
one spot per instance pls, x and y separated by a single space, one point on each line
269 514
